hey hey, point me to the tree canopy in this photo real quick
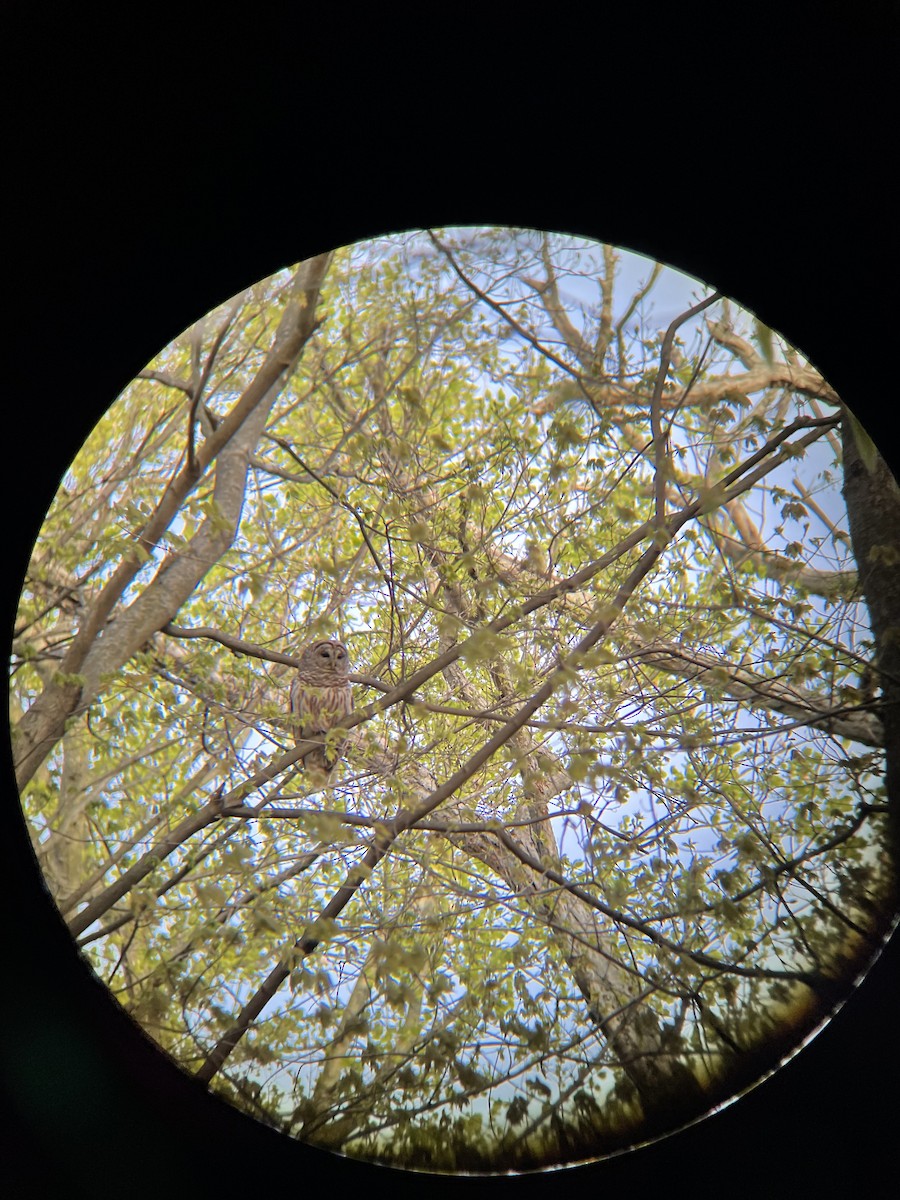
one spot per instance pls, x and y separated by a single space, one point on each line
607 836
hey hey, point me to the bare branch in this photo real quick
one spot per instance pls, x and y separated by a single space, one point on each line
659 440
523 333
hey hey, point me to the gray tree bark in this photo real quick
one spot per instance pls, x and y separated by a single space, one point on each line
872 496
109 634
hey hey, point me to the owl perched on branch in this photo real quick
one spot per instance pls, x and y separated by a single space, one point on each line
321 697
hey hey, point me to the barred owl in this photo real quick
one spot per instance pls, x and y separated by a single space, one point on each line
321 697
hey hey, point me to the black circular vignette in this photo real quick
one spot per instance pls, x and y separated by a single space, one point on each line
781 205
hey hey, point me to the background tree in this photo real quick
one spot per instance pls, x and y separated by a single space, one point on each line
609 831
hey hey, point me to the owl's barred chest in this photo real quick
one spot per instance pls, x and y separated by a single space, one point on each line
311 702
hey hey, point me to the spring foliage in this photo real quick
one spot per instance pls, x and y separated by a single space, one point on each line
653 885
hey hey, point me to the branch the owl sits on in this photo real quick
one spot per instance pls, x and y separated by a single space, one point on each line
321 697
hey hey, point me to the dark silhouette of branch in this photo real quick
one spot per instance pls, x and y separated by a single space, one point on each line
383 841
756 465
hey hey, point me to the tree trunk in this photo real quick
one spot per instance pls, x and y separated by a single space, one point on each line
109 635
614 997
873 508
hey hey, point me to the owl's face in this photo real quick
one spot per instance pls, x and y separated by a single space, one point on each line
327 656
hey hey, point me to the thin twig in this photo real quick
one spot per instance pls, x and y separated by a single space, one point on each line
382 842
523 333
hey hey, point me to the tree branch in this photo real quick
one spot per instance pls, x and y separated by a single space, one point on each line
382 842
101 646
660 442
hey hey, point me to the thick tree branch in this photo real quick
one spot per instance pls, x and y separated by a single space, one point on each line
236 795
382 843
102 645
774 695
660 441
647 930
